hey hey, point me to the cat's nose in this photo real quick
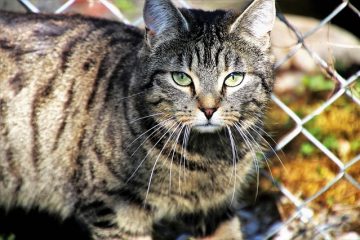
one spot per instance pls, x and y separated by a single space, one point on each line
208 112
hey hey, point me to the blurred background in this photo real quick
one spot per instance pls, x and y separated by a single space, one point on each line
310 185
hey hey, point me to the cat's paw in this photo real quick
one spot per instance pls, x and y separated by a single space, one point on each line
229 230
141 238
124 237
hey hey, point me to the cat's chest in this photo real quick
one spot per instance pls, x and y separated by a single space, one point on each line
192 191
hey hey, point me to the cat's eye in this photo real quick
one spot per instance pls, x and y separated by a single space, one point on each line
181 78
234 79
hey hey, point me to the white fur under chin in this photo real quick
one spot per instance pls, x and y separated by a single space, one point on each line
203 125
207 128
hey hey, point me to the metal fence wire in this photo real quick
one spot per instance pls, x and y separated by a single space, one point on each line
304 212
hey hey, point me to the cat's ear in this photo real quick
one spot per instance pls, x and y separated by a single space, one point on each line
163 18
257 19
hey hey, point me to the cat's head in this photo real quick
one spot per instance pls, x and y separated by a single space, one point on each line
208 70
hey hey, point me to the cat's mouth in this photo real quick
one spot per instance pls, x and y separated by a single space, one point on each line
207 128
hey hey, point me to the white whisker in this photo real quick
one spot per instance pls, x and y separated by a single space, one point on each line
157 128
272 149
147 154
135 94
149 130
186 136
234 159
152 115
173 153
176 125
248 144
181 159
260 150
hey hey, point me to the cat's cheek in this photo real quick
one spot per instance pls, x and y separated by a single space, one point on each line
216 119
199 119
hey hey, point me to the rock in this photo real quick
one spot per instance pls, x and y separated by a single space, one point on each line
349 236
329 42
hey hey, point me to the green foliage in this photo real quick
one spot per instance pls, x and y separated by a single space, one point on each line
7 237
330 201
331 142
318 83
125 5
307 149
355 145
321 171
314 129
355 89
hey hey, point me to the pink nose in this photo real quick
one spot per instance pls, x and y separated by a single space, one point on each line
208 112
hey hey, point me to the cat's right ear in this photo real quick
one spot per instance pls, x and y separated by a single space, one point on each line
256 21
163 20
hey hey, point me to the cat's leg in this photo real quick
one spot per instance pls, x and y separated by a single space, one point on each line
114 233
125 222
227 230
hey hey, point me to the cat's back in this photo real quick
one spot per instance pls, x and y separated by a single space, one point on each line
39 46
62 35
57 73
46 26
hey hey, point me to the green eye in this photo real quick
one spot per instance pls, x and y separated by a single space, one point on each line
234 79
181 78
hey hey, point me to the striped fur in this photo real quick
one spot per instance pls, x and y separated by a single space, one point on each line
92 127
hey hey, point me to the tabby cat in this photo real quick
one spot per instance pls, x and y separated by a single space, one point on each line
124 128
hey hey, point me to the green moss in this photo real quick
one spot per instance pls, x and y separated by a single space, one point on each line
355 145
7 237
318 83
331 142
355 88
125 5
306 149
314 129
330 201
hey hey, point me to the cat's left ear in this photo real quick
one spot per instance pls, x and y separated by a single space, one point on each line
163 20
257 19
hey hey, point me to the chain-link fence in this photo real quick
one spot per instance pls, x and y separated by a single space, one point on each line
342 87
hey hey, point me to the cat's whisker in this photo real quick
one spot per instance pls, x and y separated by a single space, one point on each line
232 172
248 144
234 160
135 94
176 125
258 119
260 150
173 154
272 149
186 136
152 115
155 129
181 159
266 142
147 154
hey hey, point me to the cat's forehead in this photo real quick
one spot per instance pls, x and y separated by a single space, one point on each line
205 24
208 54
198 16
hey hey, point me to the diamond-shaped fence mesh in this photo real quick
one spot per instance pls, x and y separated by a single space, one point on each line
338 151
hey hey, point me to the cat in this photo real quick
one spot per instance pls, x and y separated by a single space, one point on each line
125 128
